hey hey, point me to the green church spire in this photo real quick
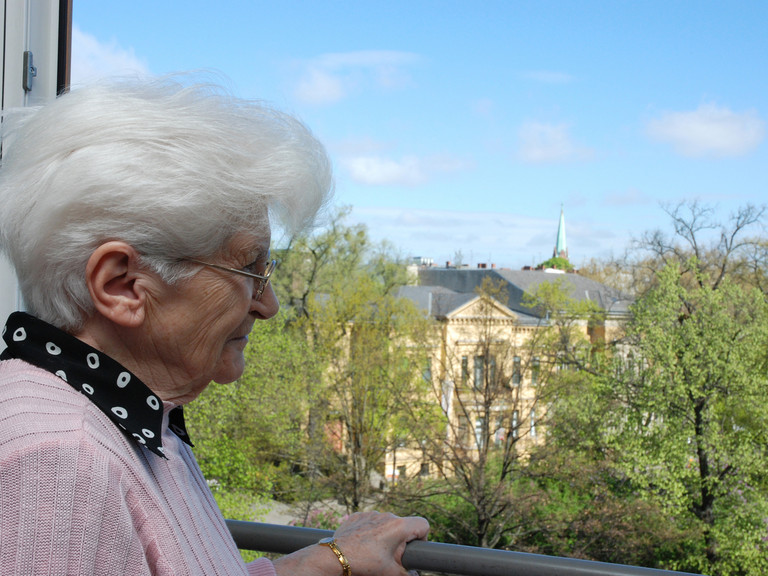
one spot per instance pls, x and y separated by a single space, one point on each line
561 248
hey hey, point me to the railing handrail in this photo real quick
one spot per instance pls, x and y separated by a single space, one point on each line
438 557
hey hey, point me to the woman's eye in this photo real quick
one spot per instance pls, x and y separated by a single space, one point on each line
256 267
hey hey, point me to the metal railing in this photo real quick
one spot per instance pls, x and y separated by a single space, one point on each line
437 557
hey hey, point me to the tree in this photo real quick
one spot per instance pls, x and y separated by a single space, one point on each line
343 289
558 263
720 247
249 435
313 262
572 504
693 422
363 335
703 248
673 414
613 271
488 387
317 406
575 498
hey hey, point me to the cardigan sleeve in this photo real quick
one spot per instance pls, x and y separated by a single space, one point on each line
261 567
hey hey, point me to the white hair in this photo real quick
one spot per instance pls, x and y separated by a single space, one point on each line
173 170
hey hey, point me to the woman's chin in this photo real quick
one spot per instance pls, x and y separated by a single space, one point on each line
231 367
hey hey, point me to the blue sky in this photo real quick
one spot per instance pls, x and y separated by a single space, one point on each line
465 125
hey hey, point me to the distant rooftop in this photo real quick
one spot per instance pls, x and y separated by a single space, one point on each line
444 289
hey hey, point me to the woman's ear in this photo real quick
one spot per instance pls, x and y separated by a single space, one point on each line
117 283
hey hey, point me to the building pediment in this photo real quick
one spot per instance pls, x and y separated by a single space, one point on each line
479 308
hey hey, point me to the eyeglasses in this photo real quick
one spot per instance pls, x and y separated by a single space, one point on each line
262 278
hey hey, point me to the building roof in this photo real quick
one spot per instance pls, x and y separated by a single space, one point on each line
451 288
441 302
435 300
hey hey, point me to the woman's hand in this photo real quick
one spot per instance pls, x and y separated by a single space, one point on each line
373 543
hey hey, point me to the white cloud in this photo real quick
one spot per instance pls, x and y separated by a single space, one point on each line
709 131
407 171
330 78
363 146
318 86
92 59
542 143
376 170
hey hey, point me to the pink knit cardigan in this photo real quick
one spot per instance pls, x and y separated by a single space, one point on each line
78 497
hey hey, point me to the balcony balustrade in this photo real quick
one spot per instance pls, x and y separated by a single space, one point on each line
442 558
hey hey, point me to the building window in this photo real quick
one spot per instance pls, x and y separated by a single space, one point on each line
464 369
427 373
480 432
516 370
479 372
535 368
424 471
481 377
401 472
515 422
446 402
462 431
499 434
533 423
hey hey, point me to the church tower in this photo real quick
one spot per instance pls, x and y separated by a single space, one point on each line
561 248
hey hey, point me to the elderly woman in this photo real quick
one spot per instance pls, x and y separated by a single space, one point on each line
137 217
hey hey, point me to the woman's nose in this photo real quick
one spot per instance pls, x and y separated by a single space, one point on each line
265 305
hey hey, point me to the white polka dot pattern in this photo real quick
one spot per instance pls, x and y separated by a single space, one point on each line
120 412
128 402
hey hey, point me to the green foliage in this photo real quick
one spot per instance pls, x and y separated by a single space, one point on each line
315 263
363 335
552 300
689 415
239 505
669 427
360 336
558 263
322 519
655 449
675 413
486 417
580 507
451 516
248 434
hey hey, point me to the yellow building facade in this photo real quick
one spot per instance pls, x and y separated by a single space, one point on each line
491 361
